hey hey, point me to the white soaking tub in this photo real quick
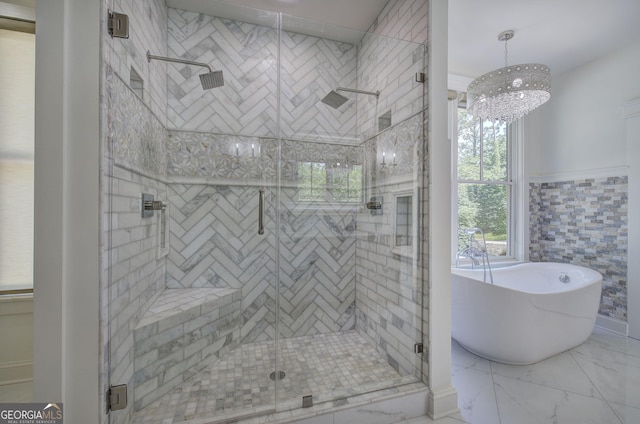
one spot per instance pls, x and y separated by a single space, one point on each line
528 314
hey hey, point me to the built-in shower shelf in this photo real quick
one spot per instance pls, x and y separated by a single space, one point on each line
183 332
179 303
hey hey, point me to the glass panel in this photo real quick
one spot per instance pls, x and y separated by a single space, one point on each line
484 206
252 306
331 345
192 327
16 159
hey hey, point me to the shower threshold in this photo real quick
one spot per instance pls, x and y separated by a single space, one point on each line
335 368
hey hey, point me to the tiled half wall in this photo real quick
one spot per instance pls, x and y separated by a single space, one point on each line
584 222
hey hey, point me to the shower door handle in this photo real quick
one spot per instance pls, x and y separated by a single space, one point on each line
261 211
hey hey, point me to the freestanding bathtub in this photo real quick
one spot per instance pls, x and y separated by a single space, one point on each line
528 314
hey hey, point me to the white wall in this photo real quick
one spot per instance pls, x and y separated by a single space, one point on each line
582 127
16 332
66 289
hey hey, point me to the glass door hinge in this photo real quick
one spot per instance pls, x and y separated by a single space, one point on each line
117 397
118 25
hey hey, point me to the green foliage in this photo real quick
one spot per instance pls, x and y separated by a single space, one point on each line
317 182
483 196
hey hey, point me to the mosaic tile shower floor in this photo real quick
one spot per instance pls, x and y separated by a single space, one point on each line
327 366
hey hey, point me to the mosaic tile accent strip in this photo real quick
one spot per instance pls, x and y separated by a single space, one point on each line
327 366
212 157
138 137
584 222
402 140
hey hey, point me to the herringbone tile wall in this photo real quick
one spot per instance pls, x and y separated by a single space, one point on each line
214 243
247 104
334 259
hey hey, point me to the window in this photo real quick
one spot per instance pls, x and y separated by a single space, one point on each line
17 75
329 182
484 183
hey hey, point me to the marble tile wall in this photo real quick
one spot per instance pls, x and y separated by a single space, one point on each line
405 20
389 57
319 246
388 286
147 32
584 222
133 275
182 333
247 104
214 242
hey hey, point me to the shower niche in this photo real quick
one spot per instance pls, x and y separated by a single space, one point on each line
273 264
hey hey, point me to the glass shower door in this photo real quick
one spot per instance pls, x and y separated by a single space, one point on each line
190 287
350 280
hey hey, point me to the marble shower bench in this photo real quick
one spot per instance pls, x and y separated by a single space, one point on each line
183 332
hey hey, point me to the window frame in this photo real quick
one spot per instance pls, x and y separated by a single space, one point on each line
21 24
517 214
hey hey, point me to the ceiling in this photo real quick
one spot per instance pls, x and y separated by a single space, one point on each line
563 34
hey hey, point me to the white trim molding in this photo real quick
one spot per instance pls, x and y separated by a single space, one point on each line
618 171
443 403
611 324
632 118
458 82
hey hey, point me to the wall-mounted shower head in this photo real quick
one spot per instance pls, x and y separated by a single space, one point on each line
335 100
211 79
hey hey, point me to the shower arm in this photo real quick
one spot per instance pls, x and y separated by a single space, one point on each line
170 59
351 90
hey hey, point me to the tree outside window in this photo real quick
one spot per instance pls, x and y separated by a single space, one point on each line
484 186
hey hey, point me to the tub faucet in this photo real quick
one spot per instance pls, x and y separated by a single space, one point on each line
476 250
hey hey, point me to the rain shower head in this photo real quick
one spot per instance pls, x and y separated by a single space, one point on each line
335 100
211 79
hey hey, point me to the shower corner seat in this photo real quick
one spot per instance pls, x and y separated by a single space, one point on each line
183 331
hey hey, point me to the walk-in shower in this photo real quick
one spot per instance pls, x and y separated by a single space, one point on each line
335 99
277 290
209 80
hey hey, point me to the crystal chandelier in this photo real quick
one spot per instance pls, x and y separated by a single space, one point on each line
509 93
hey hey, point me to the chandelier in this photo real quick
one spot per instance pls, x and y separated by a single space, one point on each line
509 93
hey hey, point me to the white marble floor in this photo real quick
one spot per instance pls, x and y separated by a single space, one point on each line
597 382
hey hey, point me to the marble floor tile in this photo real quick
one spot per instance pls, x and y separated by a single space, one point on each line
527 403
560 372
617 382
627 414
476 397
327 366
462 359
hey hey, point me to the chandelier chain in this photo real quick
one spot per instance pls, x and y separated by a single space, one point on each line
506 52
